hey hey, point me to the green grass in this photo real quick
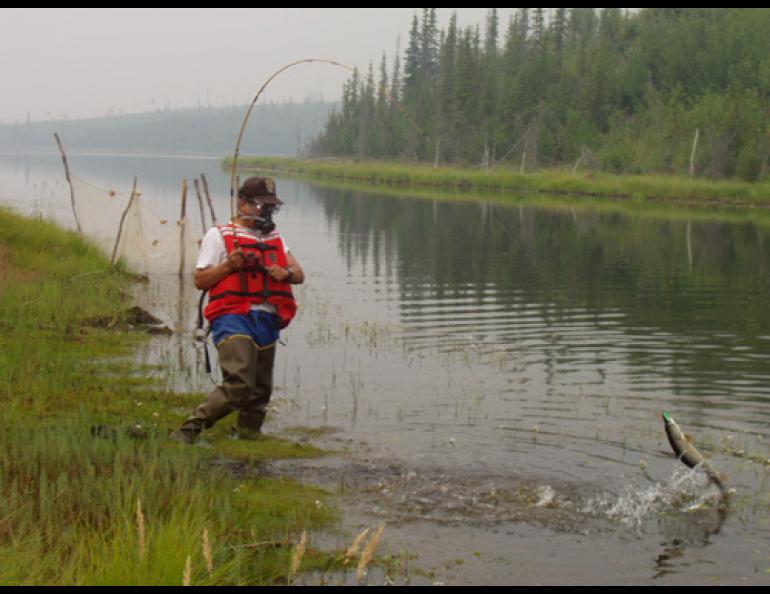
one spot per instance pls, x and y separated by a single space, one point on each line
547 181
68 499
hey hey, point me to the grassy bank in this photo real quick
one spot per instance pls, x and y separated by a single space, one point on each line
81 501
653 209
591 184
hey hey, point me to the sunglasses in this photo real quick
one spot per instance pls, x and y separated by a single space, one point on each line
265 207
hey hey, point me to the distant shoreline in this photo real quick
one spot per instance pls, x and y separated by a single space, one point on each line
42 150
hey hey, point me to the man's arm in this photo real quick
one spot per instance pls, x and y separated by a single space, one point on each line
205 278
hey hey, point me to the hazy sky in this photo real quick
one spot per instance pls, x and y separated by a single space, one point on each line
57 62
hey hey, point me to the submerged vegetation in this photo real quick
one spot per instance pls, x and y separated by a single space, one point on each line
82 501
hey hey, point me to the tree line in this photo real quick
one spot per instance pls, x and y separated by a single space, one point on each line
658 90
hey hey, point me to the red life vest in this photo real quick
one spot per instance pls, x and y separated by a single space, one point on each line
228 296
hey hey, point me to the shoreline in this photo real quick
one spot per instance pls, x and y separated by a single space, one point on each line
592 185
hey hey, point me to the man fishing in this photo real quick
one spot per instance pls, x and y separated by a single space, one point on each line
248 271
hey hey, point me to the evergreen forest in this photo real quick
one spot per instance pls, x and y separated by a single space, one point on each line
637 91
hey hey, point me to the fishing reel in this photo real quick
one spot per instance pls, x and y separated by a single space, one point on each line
253 263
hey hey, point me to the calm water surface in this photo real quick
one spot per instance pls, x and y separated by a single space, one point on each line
499 370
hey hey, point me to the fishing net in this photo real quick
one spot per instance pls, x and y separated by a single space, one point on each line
99 211
146 242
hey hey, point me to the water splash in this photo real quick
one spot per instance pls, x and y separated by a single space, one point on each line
684 492
546 496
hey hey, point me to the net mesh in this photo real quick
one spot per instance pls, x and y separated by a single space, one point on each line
147 243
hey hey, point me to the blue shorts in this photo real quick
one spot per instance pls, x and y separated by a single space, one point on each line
260 326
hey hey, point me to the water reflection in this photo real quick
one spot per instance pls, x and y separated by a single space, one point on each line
683 532
585 296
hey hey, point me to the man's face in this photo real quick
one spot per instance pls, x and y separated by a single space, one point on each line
250 209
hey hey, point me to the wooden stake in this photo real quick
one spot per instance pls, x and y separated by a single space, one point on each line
580 158
692 153
69 180
182 223
122 220
208 198
200 204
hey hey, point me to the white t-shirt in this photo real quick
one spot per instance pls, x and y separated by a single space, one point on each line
213 251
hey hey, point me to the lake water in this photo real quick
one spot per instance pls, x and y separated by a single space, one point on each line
496 371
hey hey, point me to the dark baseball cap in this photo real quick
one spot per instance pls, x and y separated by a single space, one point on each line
259 189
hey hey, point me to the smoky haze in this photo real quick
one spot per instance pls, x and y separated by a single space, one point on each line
61 63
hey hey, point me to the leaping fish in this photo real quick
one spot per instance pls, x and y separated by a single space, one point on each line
688 453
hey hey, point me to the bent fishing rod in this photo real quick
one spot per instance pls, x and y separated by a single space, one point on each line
237 150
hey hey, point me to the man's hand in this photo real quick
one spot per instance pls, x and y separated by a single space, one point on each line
279 273
236 260
205 278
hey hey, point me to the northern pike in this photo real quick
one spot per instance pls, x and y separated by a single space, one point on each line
688 453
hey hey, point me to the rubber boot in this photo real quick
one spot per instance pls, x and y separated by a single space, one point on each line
247 384
254 410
